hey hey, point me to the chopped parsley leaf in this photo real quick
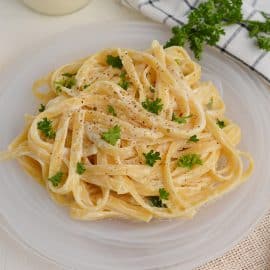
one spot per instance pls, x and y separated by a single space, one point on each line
124 83
152 89
180 119
154 106
189 160
209 105
86 86
193 138
56 179
151 157
111 110
80 169
220 123
41 108
114 61
68 81
157 202
112 135
45 126
163 194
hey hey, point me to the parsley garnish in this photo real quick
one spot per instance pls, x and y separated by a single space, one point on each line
112 135
180 119
45 126
151 157
114 61
206 25
68 81
69 75
210 103
163 194
189 160
111 110
56 179
154 106
86 85
152 89
80 168
157 200
124 83
220 123
193 138
41 108
260 31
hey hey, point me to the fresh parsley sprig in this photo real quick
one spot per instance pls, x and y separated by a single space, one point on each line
151 157
68 80
112 135
45 126
114 61
154 106
207 22
221 123
180 119
56 179
193 138
42 108
80 168
189 160
124 83
111 110
156 201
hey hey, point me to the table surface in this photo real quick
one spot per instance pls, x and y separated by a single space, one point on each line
21 28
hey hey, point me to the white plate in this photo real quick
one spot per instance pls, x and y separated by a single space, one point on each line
46 228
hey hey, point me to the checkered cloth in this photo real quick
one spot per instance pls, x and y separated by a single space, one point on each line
234 43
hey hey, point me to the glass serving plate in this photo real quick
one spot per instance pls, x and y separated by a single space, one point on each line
46 229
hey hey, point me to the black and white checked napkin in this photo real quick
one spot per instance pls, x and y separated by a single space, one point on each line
234 43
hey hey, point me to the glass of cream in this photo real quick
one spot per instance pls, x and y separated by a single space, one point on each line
56 7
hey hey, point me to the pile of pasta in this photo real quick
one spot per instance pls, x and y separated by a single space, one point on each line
131 134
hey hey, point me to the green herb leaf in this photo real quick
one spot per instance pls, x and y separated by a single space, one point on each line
206 25
154 106
209 105
163 194
114 61
86 86
151 157
180 119
124 83
111 110
45 126
56 179
69 75
41 108
220 123
157 202
189 160
67 81
152 89
80 168
112 135
193 138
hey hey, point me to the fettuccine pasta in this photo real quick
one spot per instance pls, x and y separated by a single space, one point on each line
131 134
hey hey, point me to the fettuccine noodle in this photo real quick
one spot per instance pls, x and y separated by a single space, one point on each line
102 151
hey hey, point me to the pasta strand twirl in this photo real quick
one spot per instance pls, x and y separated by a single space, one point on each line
130 134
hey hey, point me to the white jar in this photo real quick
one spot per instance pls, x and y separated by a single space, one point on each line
56 7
